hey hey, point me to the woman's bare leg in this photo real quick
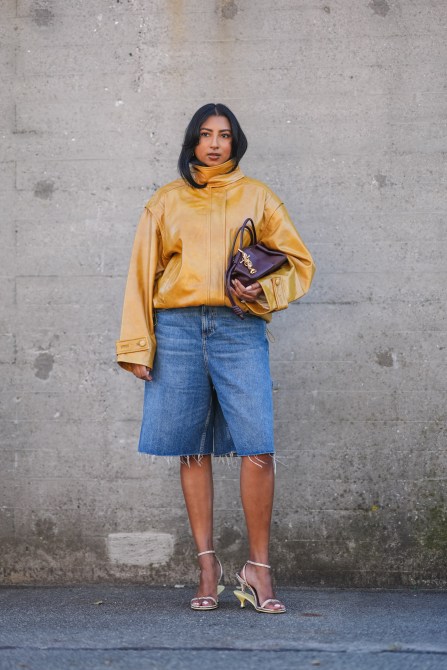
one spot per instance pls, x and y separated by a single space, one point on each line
197 485
257 489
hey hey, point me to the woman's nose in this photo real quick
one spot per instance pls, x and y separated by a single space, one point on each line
215 141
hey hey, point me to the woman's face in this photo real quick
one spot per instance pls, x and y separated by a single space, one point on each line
215 141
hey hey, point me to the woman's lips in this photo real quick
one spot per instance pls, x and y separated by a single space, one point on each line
213 156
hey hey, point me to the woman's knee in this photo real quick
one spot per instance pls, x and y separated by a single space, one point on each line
260 461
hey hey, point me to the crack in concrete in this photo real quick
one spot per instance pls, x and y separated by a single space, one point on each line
310 649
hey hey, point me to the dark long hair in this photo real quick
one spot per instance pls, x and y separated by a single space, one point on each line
192 138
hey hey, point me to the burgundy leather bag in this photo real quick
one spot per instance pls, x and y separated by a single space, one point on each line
250 263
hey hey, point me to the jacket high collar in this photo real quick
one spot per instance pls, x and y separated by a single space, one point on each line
217 175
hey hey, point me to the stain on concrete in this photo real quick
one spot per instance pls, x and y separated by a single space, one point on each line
44 189
41 14
147 548
230 537
386 359
43 365
45 529
25 132
380 180
435 536
229 9
379 7
327 9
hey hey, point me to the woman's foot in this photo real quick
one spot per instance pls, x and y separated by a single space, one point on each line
210 575
260 579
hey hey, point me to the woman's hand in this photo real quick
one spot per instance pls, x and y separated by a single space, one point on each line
142 372
247 293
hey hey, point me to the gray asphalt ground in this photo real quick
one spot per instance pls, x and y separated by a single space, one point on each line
145 628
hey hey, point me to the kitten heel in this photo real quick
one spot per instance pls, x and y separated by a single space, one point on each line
240 595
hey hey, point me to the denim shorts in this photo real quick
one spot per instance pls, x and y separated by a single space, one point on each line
211 391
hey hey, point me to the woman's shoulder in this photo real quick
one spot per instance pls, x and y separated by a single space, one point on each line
157 199
271 198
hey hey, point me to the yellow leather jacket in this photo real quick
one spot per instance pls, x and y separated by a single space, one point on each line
181 249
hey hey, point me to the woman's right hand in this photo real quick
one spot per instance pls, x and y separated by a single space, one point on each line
142 372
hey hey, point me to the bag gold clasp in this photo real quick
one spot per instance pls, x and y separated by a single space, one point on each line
247 262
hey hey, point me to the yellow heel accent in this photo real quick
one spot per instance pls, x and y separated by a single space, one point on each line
241 597
252 597
244 596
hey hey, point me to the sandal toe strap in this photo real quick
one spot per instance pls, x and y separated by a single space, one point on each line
199 599
274 601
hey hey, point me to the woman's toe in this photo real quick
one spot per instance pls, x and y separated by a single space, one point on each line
276 606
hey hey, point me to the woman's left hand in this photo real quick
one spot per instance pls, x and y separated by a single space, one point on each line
250 293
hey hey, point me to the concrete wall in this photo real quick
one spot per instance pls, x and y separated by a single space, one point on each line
344 104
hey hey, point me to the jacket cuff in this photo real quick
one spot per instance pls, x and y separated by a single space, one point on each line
259 307
275 291
140 350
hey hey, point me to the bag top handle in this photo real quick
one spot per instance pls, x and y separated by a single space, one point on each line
247 225
250 226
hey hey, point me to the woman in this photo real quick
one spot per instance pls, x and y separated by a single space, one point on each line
208 389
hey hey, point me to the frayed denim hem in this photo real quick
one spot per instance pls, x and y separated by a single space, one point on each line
228 459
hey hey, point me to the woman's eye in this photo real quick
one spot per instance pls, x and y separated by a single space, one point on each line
226 136
204 134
